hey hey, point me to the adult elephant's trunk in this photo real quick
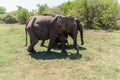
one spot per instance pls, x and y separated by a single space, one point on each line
81 33
79 27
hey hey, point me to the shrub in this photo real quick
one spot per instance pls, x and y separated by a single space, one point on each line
10 19
22 15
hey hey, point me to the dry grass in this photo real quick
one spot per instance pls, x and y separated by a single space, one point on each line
99 58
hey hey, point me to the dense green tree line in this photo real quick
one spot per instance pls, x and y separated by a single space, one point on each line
94 14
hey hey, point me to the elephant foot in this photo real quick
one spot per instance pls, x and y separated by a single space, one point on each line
48 52
82 43
77 44
64 52
31 51
42 45
77 52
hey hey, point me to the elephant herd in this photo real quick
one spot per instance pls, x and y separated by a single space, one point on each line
57 28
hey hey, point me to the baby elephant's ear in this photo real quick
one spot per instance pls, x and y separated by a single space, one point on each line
59 18
55 20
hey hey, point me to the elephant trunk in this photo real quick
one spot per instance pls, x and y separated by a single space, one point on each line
81 33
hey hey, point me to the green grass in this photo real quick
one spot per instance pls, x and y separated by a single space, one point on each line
99 58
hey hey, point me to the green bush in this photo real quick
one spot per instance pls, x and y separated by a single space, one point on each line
2 10
8 18
22 15
95 14
42 9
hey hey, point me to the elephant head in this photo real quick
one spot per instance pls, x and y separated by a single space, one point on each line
70 24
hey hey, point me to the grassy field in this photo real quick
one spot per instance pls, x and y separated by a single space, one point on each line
99 58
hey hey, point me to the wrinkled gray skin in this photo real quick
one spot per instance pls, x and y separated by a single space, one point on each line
79 28
43 28
70 28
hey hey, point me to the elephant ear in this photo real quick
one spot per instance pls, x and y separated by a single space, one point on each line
77 20
54 20
58 22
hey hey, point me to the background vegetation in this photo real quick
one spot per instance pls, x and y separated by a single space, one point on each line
94 14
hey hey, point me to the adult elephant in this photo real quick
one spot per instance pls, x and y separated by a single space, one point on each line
71 29
43 28
68 27
79 28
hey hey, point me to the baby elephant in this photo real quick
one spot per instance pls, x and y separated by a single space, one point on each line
57 40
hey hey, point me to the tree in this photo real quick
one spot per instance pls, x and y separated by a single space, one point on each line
66 7
2 10
22 15
42 8
95 14
9 19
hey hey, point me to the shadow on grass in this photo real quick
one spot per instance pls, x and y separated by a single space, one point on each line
55 55
71 46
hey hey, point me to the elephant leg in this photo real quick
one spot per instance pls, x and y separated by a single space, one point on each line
71 35
42 44
75 45
31 47
62 39
66 37
33 42
66 41
51 43
74 36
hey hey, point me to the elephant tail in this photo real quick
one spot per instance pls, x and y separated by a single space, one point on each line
26 30
26 27
26 38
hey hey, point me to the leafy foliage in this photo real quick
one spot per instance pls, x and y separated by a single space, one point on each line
9 19
95 14
2 10
22 15
41 8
